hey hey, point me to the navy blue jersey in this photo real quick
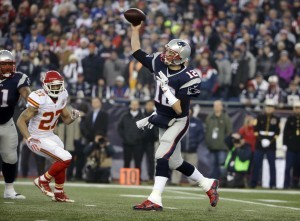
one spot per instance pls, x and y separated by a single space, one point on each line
184 84
9 94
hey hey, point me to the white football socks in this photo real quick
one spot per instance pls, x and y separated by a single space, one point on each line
202 181
9 187
158 188
196 176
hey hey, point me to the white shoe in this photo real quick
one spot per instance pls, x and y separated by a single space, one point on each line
44 187
13 196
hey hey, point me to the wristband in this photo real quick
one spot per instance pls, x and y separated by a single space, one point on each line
28 138
171 98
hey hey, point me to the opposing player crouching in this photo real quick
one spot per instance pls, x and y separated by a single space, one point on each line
44 107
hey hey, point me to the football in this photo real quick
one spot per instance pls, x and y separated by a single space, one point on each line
134 16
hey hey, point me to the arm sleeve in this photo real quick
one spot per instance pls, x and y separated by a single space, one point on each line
144 58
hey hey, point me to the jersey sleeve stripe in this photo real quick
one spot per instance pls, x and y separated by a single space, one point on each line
22 80
153 60
32 102
191 82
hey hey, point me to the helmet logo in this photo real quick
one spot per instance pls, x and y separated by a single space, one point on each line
181 43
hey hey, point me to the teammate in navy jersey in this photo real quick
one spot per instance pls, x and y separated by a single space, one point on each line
12 85
176 84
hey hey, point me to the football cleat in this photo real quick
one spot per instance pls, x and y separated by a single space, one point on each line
13 196
148 205
44 187
213 194
62 197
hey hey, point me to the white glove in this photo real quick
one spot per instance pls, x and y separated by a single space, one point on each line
265 143
34 144
75 114
162 78
284 147
141 124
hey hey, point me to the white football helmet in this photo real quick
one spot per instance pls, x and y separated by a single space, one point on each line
7 64
176 52
53 83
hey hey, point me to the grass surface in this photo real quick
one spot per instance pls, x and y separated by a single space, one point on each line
113 202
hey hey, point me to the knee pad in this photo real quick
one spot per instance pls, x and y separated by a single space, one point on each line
162 168
186 168
10 158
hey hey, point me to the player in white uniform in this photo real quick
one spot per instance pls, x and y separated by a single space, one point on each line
44 107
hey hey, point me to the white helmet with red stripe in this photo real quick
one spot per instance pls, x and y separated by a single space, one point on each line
7 64
53 83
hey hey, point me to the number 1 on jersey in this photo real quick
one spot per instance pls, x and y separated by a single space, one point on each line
4 98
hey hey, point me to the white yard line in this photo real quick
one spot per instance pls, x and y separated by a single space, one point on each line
247 202
176 190
292 192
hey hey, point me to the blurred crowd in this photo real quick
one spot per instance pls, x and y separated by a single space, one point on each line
244 50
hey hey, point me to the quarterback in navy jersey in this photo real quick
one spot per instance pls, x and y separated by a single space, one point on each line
176 84
12 85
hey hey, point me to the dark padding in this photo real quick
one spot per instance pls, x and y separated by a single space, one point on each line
162 168
186 168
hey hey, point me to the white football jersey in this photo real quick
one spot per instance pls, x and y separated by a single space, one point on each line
43 124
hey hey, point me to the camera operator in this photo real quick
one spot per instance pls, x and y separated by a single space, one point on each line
99 160
237 161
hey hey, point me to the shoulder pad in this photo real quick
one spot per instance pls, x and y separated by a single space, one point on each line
189 78
36 98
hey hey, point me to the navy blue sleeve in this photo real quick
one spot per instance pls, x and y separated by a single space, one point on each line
144 58
23 81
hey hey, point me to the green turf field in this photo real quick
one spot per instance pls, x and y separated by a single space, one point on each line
114 202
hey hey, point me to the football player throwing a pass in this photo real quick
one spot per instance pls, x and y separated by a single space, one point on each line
12 85
176 84
44 107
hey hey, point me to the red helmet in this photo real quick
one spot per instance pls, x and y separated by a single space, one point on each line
7 64
53 83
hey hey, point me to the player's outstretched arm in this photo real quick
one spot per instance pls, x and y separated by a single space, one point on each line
135 37
24 118
69 117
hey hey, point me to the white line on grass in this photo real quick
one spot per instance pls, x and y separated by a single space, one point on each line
249 202
189 189
170 208
88 185
91 205
166 197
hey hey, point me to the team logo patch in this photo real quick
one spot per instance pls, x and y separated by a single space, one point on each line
181 43
193 90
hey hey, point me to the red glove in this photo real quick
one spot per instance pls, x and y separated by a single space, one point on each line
34 144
